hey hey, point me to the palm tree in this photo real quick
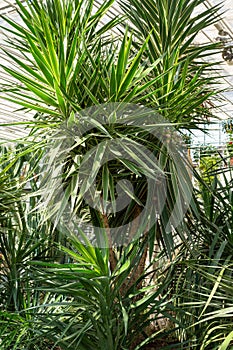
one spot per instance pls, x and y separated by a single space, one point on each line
67 61
73 63
183 69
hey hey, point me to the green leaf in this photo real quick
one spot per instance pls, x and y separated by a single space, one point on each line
226 342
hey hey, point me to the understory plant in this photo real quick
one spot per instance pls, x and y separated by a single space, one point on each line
204 285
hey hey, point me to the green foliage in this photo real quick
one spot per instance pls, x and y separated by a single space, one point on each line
60 52
60 292
103 310
204 285
184 86
75 63
93 68
209 161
